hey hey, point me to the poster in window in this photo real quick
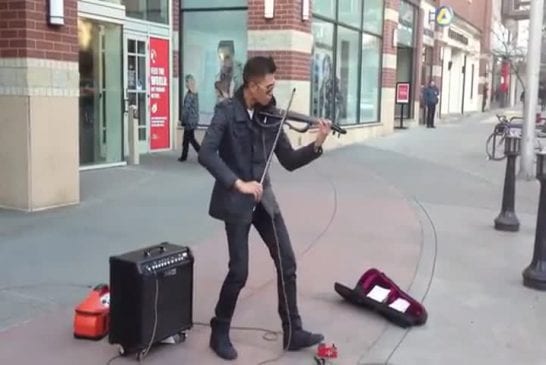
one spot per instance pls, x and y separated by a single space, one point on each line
159 94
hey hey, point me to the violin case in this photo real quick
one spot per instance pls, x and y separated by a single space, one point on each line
377 292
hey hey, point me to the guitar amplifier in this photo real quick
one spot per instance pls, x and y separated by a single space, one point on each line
151 294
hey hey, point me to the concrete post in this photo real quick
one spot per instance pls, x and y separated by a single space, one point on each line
534 276
132 124
507 219
531 93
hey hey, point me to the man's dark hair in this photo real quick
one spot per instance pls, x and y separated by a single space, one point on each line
189 77
257 67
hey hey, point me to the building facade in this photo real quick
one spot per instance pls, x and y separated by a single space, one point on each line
66 88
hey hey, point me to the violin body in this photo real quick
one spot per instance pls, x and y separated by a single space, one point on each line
276 113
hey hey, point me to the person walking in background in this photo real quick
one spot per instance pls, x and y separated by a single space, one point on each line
190 118
430 96
485 96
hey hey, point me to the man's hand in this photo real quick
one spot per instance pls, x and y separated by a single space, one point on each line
325 128
250 187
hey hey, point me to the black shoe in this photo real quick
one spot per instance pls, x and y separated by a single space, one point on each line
182 159
219 340
300 339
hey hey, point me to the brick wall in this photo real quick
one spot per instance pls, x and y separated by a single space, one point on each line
473 12
287 15
388 75
417 55
176 28
290 65
24 31
388 31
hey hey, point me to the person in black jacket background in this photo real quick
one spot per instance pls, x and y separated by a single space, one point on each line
235 150
190 118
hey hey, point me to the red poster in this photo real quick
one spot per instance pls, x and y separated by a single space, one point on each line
159 94
402 92
505 77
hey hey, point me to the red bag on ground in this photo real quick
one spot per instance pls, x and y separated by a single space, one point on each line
92 314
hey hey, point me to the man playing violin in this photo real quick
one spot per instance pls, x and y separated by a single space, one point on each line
235 151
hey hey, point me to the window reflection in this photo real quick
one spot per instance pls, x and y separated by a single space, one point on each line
215 48
150 10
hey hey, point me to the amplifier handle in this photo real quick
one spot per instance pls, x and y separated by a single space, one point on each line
148 252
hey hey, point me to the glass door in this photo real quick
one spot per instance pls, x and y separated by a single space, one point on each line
136 85
100 63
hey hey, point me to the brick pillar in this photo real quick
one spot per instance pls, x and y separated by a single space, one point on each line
175 81
439 66
486 59
39 156
388 79
418 65
288 39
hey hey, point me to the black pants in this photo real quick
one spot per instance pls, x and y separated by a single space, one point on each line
237 235
431 109
189 137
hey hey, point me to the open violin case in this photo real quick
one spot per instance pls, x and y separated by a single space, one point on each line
375 291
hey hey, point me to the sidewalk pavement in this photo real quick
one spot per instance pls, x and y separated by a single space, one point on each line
418 204
342 220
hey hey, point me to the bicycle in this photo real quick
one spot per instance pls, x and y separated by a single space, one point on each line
494 145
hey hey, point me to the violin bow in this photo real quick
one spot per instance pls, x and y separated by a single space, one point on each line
279 131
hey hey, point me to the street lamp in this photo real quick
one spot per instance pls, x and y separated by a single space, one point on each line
507 219
534 276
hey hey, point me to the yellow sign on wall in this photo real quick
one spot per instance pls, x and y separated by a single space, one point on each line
444 16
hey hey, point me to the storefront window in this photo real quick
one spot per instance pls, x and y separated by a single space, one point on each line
325 8
405 24
350 11
347 66
345 71
201 4
214 48
369 87
373 16
150 10
322 94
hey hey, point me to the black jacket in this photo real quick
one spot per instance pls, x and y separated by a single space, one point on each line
190 111
236 147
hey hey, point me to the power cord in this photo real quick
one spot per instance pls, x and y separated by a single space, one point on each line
144 353
269 335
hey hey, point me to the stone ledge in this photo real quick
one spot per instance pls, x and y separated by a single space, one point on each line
38 77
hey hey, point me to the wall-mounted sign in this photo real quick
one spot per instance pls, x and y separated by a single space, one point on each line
444 16
457 37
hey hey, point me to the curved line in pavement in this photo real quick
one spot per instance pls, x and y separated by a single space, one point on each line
330 221
429 284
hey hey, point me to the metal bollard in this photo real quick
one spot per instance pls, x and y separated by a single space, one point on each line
132 126
507 219
534 276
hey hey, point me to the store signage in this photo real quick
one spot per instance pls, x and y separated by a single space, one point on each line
402 92
159 94
457 37
444 16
